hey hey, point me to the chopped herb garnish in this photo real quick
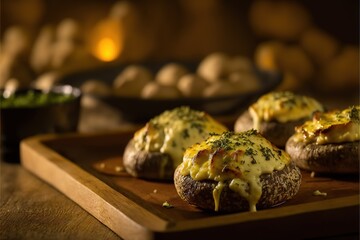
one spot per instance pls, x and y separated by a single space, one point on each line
251 132
213 134
266 152
185 133
250 152
222 144
199 126
354 114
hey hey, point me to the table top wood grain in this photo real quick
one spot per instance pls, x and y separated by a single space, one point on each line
32 209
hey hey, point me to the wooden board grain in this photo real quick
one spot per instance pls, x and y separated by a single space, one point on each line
87 169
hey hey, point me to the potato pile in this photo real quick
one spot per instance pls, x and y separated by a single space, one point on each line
218 74
30 60
305 53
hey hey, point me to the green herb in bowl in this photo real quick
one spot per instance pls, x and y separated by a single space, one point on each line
31 99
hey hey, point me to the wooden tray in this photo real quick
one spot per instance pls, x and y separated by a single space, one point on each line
87 169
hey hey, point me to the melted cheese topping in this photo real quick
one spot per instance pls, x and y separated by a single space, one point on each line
331 127
282 107
173 131
236 158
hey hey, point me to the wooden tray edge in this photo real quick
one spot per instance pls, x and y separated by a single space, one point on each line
122 222
62 173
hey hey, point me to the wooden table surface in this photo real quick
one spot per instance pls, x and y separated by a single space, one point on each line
32 209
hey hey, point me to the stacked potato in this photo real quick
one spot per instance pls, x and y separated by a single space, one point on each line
294 45
218 74
38 61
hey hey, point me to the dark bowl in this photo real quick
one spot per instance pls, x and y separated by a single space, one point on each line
19 122
140 110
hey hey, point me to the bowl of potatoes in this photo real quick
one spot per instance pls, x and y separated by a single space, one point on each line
219 84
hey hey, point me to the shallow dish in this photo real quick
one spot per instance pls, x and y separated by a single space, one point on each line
141 110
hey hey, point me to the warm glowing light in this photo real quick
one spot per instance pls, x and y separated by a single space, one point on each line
106 41
107 50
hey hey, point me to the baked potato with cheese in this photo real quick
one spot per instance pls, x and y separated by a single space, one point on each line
234 172
329 143
157 149
276 114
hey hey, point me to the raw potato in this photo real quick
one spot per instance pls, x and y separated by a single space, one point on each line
14 50
217 75
11 86
61 51
214 67
131 81
267 55
96 87
277 188
221 88
285 20
191 85
319 45
16 41
338 158
292 61
244 82
66 45
68 29
46 80
240 64
170 74
42 50
342 72
153 90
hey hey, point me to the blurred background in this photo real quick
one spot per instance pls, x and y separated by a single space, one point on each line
314 43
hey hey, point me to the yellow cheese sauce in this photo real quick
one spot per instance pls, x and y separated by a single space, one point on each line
236 158
175 130
331 127
282 106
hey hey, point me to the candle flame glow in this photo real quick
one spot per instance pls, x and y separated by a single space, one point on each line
107 50
106 41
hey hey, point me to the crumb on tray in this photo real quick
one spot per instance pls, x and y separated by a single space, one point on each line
167 205
318 193
119 169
